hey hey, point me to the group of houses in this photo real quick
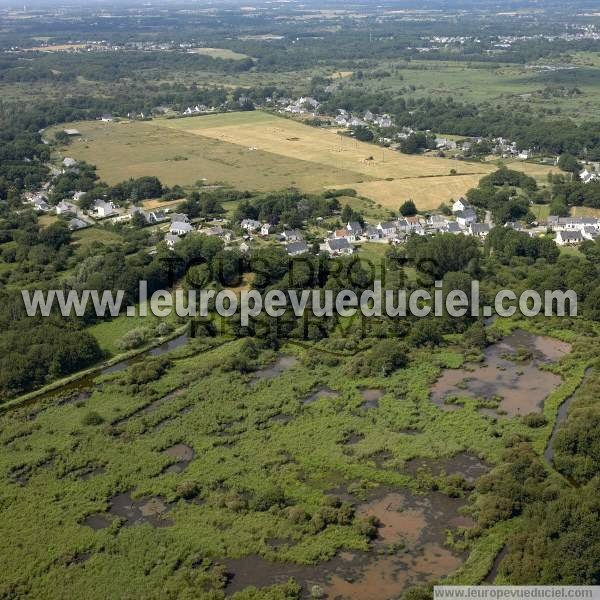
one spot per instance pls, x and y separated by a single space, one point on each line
345 119
571 231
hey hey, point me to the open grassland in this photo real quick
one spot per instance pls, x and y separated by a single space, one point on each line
263 152
425 179
223 53
135 149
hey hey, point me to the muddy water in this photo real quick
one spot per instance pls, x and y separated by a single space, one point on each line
282 364
408 550
371 398
323 392
520 385
142 510
184 455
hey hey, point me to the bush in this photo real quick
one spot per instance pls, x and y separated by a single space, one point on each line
92 418
133 339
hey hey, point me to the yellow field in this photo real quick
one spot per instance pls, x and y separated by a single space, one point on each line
134 149
425 179
224 53
259 151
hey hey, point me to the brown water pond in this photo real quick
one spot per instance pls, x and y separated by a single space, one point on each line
510 373
184 455
277 368
371 398
143 510
409 550
323 392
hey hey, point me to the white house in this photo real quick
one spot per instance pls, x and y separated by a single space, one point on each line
180 228
568 238
69 163
65 208
291 235
265 229
250 225
171 240
459 205
103 209
465 217
524 155
387 228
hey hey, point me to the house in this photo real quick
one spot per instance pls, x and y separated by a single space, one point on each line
388 228
587 176
465 217
341 233
524 155
104 209
77 196
573 223
341 121
452 227
415 225
403 226
107 118
292 235
179 218
459 205
244 247
479 229
355 228
436 222
372 233
75 224
338 246
384 121
590 233
155 216
297 248
568 238
40 204
65 208
368 116
514 225
171 239
180 228
69 163
265 228
250 225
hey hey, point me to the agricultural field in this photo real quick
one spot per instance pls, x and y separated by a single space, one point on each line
150 477
223 53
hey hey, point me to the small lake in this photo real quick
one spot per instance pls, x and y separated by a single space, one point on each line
509 373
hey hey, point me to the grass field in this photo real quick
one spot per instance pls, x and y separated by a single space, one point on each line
263 152
223 53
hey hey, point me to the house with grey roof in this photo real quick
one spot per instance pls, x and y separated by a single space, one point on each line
568 238
291 235
338 246
297 248
480 230
180 228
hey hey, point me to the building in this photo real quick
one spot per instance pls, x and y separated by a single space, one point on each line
103 209
75 224
65 208
72 132
338 246
387 228
460 204
180 228
572 223
372 233
69 163
297 248
107 118
452 227
465 217
480 230
171 239
291 235
590 233
265 229
250 225
568 238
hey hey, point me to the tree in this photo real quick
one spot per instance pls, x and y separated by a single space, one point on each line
408 209
568 163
